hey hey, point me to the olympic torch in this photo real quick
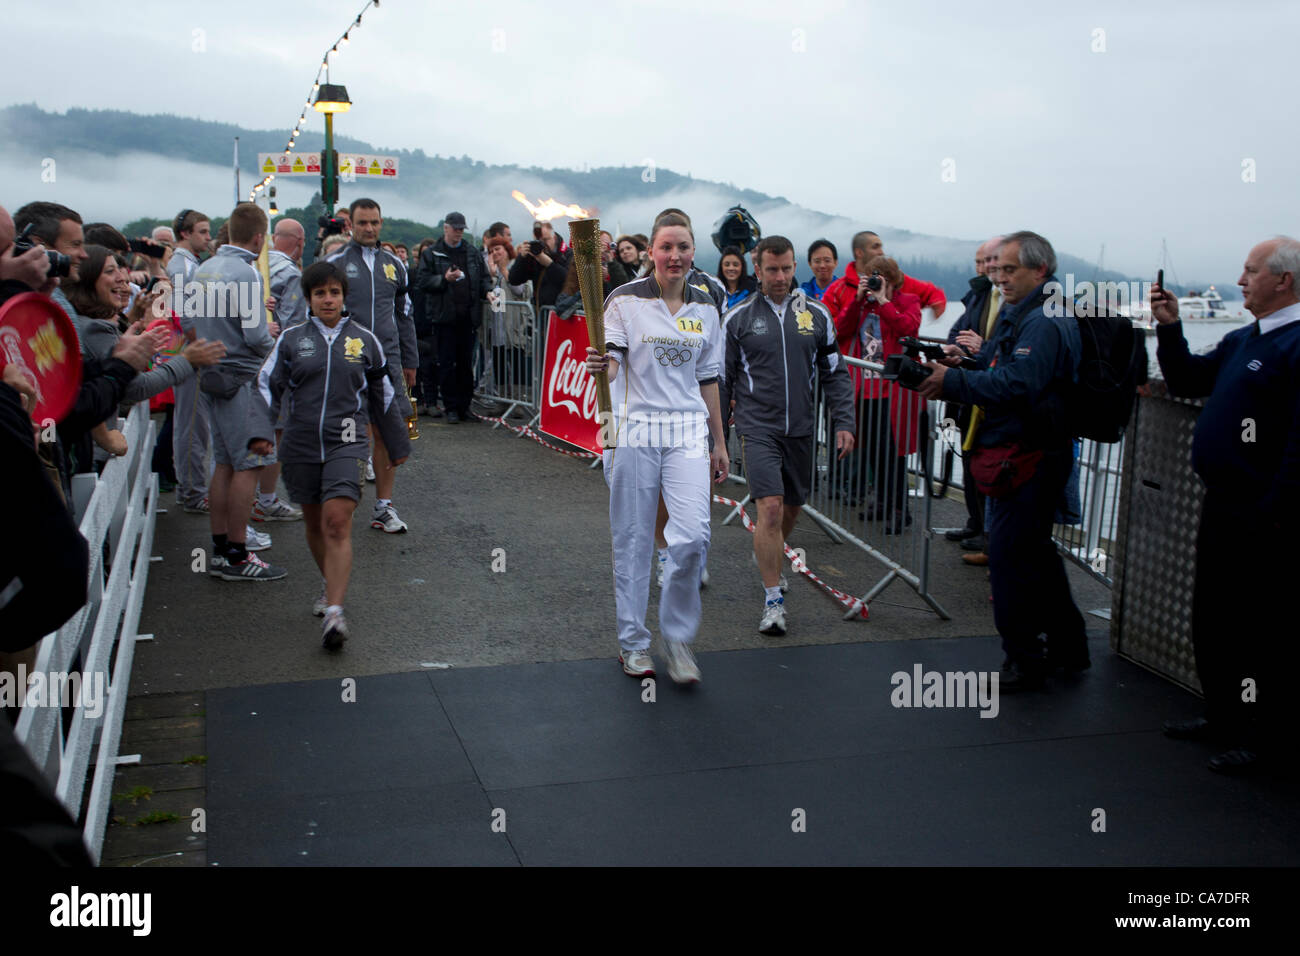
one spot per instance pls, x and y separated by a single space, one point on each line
584 236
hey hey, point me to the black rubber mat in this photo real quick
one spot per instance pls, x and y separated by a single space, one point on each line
782 756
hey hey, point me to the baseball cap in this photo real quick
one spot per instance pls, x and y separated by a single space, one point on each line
454 219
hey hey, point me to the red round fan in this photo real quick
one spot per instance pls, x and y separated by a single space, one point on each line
38 336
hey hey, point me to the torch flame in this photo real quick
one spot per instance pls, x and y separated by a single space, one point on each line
551 208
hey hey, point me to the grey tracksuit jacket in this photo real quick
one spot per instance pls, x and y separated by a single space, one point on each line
336 384
180 270
286 289
377 299
772 364
234 312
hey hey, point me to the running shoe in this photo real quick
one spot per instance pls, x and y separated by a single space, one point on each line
773 622
278 510
216 563
704 577
256 540
385 519
637 663
370 469
681 663
200 507
334 631
252 568
318 609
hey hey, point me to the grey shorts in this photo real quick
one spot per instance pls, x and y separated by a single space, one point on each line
233 423
778 465
314 483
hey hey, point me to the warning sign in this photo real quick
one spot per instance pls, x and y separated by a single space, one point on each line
309 164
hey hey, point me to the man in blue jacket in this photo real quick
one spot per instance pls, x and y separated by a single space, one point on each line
1026 373
1246 449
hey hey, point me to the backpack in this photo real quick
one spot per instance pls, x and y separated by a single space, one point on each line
1113 364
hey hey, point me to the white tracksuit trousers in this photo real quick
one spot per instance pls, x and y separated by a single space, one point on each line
635 477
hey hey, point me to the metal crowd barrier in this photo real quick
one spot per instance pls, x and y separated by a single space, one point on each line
873 499
510 349
1087 526
116 513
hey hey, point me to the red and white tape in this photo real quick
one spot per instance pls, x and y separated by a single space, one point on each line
848 600
525 430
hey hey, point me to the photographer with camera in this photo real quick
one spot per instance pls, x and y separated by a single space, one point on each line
542 263
59 230
869 326
1021 459
455 282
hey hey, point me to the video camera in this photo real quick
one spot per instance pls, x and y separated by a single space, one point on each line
904 367
330 226
60 265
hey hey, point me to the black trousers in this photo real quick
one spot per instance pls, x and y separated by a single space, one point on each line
456 364
426 378
1031 594
1243 651
879 455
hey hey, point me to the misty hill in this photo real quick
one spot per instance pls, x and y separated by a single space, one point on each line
123 188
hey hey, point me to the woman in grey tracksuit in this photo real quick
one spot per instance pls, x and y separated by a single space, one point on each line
332 372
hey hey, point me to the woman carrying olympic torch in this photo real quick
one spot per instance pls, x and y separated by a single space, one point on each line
663 354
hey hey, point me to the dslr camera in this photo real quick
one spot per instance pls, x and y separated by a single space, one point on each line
904 367
60 265
874 282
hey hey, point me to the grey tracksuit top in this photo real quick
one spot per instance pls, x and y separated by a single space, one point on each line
336 383
286 289
772 364
232 309
373 298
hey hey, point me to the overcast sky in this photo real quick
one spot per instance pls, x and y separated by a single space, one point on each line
1114 123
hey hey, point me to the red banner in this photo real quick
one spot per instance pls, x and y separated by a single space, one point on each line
568 400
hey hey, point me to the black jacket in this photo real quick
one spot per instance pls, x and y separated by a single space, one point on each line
975 302
431 282
547 283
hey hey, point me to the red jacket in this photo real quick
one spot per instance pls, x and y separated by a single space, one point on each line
899 317
931 295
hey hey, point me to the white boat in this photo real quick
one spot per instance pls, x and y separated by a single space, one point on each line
1205 306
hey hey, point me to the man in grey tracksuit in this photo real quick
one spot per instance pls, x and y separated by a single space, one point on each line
190 438
778 346
229 306
376 299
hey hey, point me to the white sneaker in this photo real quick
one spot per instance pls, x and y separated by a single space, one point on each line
278 510
370 469
773 621
681 663
318 609
385 519
334 631
257 540
704 577
637 663
661 569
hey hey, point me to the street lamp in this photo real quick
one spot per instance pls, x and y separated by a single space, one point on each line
331 98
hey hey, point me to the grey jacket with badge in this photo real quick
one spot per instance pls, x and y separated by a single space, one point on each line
334 391
773 363
377 300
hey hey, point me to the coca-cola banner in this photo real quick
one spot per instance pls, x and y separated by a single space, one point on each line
569 409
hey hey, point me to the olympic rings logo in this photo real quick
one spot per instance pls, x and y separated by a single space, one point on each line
671 356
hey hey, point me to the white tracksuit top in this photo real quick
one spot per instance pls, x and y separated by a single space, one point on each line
664 359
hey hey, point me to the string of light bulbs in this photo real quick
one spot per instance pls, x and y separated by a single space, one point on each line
342 41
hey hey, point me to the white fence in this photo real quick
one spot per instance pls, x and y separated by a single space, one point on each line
116 513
